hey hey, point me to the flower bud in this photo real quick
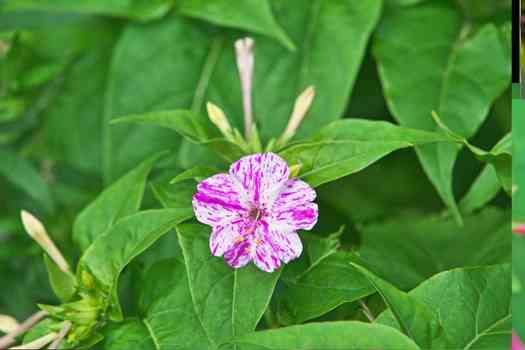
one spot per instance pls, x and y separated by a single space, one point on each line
301 106
218 118
37 231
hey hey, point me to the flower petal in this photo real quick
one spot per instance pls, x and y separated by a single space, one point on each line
218 201
294 218
266 255
289 245
224 237
240 254
294 192
261 176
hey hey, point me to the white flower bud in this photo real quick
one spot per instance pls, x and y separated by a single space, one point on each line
301 106
218 118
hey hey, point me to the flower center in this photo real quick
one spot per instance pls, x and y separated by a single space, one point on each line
255 214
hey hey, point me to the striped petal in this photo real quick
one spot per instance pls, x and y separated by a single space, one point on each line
240 253
288 245
293 218
294 192
261 176
266 255
218 201
224 237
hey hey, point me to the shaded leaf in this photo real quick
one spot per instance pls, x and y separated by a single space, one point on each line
473 305
449 74
415 319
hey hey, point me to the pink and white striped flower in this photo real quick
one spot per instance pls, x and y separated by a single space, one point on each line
255 212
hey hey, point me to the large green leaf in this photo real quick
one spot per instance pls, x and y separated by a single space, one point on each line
348 335
121 199
347 146
131 334
418 247
135 9
255 16
415 319
473 305
318 282
64 284
21 173
227 302
518 284
449 74
485 187
105 259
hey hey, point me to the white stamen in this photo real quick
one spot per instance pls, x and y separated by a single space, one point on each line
245 63
37 231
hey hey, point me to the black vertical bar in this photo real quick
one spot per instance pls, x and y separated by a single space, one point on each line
516 23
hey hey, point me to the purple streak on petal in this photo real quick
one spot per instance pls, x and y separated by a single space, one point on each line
289 245
294 192
261 175
240 254
266 254
517 344
218 201
302 217
223 238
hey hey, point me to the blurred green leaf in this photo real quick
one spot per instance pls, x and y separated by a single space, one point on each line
482 191
136 9
22 174
449 74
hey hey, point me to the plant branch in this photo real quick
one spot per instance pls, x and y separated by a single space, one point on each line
38 343
63 332
29 323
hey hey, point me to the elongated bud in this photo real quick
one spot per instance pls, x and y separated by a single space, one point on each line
36 230
8 324
218 118
245 62
301 106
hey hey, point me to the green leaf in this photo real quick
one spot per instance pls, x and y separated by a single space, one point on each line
228 302
105 259
177 195
64 284
500 157
121 199
21 173
415 319
135 9
347 335
473 305
418 247
130 334
483 190
192 126
255 16
450 74
319 281
346 146
197 173
518 294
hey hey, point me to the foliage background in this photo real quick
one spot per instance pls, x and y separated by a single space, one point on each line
67 69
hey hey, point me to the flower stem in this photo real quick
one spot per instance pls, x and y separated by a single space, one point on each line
38 343
63 332
367 312
9 338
